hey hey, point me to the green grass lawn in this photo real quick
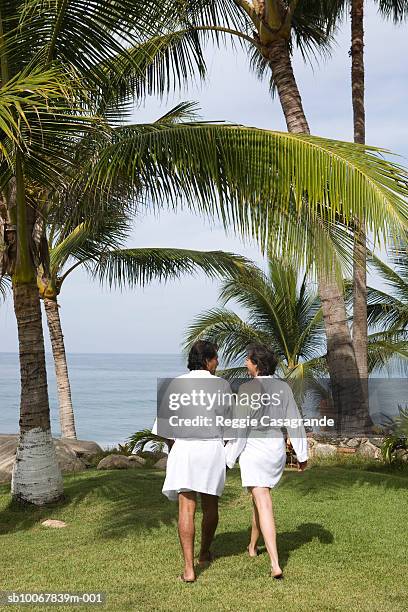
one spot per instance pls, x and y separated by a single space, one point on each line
342 542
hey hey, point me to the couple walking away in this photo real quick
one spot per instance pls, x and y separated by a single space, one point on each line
198 466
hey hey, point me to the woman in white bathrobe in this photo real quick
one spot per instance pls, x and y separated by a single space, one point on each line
262 455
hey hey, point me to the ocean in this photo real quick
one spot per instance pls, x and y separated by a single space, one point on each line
113 395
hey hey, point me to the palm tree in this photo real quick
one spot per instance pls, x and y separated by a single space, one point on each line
283 311
398 10
100 250
273 28
389 310
65 68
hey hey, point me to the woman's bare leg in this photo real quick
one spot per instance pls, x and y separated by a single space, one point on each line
186 529
263 501
255 531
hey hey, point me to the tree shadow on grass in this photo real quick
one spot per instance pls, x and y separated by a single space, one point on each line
235 542
127 501
332 480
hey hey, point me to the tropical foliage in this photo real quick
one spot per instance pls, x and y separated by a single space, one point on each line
69 72
283 312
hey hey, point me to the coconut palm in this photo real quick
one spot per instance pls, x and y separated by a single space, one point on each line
283 312
398 10
100 250
273 28
68 71
389 310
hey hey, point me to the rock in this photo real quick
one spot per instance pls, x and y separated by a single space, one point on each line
137 460
324 450
83 448
115 462
161 463
401 454
346 450
353 442
154 455
68 459
56 524
378 442
366 449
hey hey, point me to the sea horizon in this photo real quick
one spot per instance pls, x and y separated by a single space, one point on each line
113 394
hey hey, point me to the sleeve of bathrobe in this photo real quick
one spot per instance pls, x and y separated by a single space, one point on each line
236 445
297 434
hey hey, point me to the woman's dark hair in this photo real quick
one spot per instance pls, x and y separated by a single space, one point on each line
263 358
201 352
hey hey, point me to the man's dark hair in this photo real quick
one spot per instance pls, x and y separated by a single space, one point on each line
263 358
201 352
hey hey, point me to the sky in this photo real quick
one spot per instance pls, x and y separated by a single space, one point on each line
154 319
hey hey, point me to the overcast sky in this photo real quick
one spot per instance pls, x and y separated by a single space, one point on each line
153 319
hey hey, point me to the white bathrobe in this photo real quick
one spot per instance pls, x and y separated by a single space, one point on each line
196 465
263 459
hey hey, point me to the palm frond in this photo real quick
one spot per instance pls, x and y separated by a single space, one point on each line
5 287
227 330
87 241
397 10
240 174
139 266
181 113
388 351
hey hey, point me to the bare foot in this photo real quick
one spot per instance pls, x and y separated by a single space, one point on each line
252 551
205 558
188 576
276 571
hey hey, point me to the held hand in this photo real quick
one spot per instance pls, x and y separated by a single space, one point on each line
302 465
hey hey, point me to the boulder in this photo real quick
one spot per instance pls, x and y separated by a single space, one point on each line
68 459
377 441
154 456
366 449
401 454
353 442
85 449
137 460
161 464
115 462
323 450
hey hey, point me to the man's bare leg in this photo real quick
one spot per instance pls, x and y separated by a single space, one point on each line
255 531
186 529
209 505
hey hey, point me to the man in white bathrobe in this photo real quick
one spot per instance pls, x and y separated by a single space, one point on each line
198 466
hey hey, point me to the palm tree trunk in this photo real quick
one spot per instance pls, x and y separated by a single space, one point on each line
341 358
66 412
288 91
360 331
36 477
